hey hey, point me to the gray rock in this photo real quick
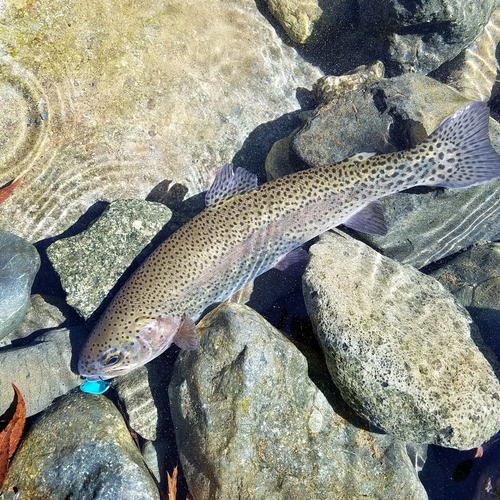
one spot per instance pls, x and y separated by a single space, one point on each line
39 316
40 370
90 263
380 116
420 36
399 348
134 391
79 448
250 423
473 72
426 227
19 263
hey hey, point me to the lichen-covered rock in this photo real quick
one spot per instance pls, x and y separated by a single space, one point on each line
79 448
250 423
90 263
19 263
399 348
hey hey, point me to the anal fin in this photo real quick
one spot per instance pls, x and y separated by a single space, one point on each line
297 256
370 219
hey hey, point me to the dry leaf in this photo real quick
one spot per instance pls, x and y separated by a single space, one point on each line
8 189
11 435
172 484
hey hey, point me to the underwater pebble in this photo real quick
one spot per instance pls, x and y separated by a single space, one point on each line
251 424
399 347
40 370
19 263
79 448
90 263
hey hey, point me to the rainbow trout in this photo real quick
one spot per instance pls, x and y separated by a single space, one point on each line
246 230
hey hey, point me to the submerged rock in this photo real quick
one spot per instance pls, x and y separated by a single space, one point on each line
19 263
103 101
399 348
250 423
79 448
473 276
420 36
90 263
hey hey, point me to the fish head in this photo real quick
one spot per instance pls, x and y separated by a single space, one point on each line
109 353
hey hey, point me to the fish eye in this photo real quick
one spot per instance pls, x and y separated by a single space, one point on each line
111 357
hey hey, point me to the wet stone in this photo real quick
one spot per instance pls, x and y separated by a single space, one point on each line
399 347
40 370
251 424
19 263
79 448
89 264
40 315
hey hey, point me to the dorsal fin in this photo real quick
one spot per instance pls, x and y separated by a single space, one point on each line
370 219
228 183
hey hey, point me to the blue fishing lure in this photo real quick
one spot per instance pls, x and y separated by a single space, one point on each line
95 386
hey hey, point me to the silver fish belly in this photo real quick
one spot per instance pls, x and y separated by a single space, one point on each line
245 230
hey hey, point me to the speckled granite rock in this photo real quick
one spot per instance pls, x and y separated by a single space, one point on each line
104 100
89 264
399 347
19 263
40 370
251 424
79 448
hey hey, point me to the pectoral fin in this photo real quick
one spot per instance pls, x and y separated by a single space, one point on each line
186 336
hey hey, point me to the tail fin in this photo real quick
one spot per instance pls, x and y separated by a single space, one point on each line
463 152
